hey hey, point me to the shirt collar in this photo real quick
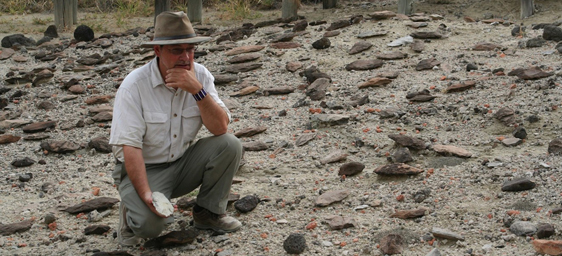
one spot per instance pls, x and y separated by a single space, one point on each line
155 76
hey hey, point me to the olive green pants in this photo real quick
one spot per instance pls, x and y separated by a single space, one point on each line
209 163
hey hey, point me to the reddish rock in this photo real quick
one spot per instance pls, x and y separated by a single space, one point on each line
427 64
331 197
250 131
461 87
449 149
550 247
375 82
293 66
245 91
364 65
7 139
77 89
407 141
39 127
392 244
397 169
10 229
245 49
339 222
285 45
98 99
410 214
532 73
350 169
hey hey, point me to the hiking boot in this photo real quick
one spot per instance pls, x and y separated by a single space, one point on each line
125 235
204 219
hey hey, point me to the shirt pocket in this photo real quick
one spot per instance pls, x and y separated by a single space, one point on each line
156 128
191 123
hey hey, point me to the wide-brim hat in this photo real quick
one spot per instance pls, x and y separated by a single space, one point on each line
174 28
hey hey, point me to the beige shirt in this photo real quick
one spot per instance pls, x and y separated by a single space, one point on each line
160 120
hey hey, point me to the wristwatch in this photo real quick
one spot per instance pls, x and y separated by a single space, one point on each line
200 95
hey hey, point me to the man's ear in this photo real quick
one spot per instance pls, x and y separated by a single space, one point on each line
157 49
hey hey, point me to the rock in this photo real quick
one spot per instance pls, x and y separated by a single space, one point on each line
392 56
410 214
402 155
535 42
550 32
518 184
417 46
382 15
364 65
49 218
10 229
453 150
397 169
334 157
375 82
338 222
350 169
6 53
486 47
103 116
98 99
113 253
250 131
313 73
324 120
434 252
83 33
339 24
518 31
427 64
550 247
278 90
407 141
96 230
284 37
461 86
295 243
523 228
247 204
506 116
370 34
221 79
304 138
545 230
101 144
39 127
417 24
254 146
23 162
245 91
19 39
77 89
426 35
44 40
46 105
520 133
532 73
392 244
174 238
300 25
446 234
285 45
245 49
60 146
360 46
51 32
242 67
317 89
244 58
99 204
7 139
512 142
332 33
401 41
555 146
331 197
293 66
321 43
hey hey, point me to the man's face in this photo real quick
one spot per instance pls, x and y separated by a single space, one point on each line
175 56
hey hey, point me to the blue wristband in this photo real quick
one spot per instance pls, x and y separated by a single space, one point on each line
200 95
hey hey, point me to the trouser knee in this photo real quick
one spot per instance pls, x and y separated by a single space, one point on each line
149 227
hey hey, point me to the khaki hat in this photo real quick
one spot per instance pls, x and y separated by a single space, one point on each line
174 28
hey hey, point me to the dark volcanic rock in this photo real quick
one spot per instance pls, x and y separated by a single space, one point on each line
397 169
427 64
101 144
173 238
350 169
545 230
247 203
407 141
552 33
51 32
392 244
11 40
96 230
39 127
364 65
555 146
60 146
518 184
23 162
426 35
9 229
321 43
83 33
99 204
295 244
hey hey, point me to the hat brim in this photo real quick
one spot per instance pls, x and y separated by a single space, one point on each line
193 40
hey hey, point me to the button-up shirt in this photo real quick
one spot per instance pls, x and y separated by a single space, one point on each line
160 120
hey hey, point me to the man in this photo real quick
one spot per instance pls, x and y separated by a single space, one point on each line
158 110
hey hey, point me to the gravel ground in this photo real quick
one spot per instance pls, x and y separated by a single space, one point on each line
462 195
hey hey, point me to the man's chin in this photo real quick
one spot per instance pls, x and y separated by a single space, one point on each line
187 67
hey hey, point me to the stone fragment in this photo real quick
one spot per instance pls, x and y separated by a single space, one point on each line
8 138
77 89
446 234
317 89
293 66
245 91
247 204
39 127
407 141
545 230
10 229
11 40
523 228
99 204
221 79
300 25
331 197
417 24
550 247
51 31
392 244
332 33
453 150
518 184
83 33
506 116
244 58
242 67
417 46
402 155
426 35
364 65
397 169
60 146
285 45
360 46
531 73
304 139
101 144
434 252
254 146
339 24
174 238
324 120
552 32
6 53
463 86
313 73
295 243
278 90
245 49
98 99
555 146
382 15
103 117
410 214
370 34
392 56
334 157
339 222
116 253
321 43
486 47
350 169
250 131
24 162
96 230
427 64
512 142
520 133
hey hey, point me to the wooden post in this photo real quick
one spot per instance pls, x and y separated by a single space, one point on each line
289 9
329 4
65 14
195 10
75 12
405 6
527 8
160 6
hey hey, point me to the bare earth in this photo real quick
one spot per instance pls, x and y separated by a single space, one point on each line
463 195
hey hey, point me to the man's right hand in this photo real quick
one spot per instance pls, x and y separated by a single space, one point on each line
147 199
